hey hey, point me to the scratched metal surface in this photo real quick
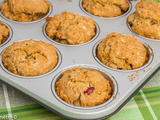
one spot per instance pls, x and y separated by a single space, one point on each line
41 88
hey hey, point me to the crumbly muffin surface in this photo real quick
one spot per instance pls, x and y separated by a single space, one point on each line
84 88
4 32
70 28
105 8
25 10
29 58
122 52
146 20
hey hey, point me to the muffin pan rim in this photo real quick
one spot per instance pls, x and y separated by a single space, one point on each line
87 67
31 77
39 20
149 49
108 18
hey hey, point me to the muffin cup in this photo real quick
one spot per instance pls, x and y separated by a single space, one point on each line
129 27
50 11
96 35
109 77
109 18
25 77
150 55
10 34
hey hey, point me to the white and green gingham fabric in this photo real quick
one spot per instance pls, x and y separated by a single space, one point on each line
145 105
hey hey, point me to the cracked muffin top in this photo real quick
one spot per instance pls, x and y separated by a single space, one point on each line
83 88
4 32
29 58
146 20
122 52
25 10
105 8
70 28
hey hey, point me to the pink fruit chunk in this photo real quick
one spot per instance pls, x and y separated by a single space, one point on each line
89 90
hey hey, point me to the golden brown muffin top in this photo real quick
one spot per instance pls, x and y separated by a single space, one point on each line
28 6
4 32
84 88
122 52
25 10
146 20
148 9
30 58
70 28
106 8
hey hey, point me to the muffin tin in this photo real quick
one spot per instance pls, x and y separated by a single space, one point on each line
124 83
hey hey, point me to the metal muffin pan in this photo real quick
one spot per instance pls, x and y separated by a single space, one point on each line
41 88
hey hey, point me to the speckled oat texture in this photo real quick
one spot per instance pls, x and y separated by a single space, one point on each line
146 20
30 58
4 32
81 87
25 10
70 28
122 52
106 8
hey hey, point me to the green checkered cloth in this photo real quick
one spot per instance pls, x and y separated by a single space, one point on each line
145 105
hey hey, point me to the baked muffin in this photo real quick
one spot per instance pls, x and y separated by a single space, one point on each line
122 52
70 28
4 32
105 8
146 20
83 88
25 10
29 58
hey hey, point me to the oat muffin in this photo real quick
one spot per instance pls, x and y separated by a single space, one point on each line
122 52
29 58
146 20
70 28
4 32
105 8
83 88
25 10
